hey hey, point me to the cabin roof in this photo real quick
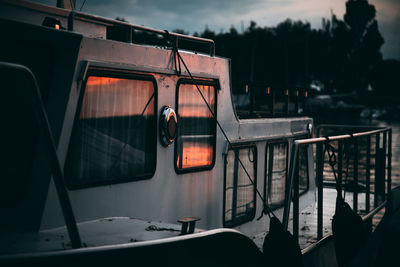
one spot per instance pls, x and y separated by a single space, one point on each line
110 29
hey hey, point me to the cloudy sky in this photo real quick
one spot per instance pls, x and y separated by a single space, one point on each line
219 15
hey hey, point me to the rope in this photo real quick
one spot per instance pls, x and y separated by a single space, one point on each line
172 41
84 2
266 209
330 150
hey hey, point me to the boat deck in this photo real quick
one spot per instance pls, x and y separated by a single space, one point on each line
308 216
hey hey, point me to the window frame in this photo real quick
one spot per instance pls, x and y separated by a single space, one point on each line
197 81
266 167
121 74
237 222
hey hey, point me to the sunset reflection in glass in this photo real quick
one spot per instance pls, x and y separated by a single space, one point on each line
196 127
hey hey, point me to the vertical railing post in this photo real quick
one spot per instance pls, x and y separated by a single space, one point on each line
389 162
319 174
252 92
379 172
384 146
340 165
273 102
287 101
368 175
235 183
289 184
296 200
355 175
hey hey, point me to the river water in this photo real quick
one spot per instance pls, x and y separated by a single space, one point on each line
395 150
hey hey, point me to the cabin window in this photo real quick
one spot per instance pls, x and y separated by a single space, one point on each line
240 191
195 143
114 137
276 173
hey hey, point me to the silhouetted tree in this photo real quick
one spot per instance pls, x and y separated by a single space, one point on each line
364 42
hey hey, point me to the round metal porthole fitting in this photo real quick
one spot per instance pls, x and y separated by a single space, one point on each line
168 125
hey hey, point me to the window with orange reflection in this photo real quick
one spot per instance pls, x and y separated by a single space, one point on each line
195 143
114 136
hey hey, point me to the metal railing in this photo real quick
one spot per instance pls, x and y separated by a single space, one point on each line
362 162
130 28
32 92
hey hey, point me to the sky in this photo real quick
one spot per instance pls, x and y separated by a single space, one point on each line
220 15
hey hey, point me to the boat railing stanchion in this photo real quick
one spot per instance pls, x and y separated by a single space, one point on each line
296 200
384 156
319 174
340 165
389 161
368 175
355 174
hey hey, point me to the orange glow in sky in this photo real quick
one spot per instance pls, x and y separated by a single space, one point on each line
195 111
113 97
191 104
195 156
100 81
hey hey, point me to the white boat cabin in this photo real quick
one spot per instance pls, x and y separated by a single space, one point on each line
138 144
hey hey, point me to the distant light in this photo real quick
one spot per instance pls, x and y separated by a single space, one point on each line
51 22
268 90
247 88
306 94
287 91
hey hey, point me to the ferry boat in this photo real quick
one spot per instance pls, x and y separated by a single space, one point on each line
123 152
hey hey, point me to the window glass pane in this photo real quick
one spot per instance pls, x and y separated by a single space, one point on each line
229 176
115 136
239 190
245 188
276 173
196 127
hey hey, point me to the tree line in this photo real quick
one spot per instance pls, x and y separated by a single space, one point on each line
342 56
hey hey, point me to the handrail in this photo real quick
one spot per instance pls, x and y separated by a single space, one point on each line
317 245
374 211
292 185
72 15
55 166
84 16
339 137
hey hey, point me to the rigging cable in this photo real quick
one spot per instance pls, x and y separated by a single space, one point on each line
84 1
266 209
